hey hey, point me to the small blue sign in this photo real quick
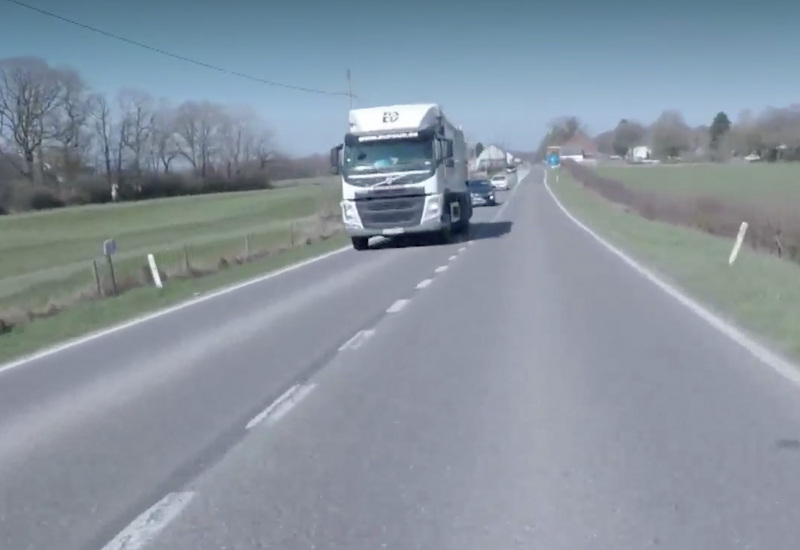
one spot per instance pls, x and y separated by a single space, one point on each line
553 160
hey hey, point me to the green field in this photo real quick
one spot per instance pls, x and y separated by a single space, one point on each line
759 292
760 182
48 258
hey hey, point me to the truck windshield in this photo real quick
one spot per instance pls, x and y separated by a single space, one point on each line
386 156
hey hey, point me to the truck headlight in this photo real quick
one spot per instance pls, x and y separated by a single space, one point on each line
433 207
350 214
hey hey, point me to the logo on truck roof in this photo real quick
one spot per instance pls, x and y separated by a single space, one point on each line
390 116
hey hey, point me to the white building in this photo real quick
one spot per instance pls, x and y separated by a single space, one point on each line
640 153
491 158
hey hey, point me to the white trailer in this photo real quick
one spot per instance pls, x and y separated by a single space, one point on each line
404 171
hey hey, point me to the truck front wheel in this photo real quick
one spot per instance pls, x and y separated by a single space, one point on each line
360 243
462 225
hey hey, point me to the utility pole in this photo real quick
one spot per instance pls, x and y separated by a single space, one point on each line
350 89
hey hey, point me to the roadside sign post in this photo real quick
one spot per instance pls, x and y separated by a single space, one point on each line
109 249
553 157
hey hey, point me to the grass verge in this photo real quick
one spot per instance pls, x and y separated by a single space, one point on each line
85 317
764 184
759 292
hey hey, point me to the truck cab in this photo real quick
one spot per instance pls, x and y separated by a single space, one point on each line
404 172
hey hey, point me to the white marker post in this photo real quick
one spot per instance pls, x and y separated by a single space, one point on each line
154 271
738 244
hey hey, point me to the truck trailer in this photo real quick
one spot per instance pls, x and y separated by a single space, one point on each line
404 172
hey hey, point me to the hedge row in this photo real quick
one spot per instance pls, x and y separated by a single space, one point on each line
21 196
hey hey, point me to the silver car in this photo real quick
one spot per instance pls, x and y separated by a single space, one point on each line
500 181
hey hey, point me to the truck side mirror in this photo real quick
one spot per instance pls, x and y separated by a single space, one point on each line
335 160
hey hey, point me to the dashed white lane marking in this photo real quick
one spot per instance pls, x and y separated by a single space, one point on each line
451 258
288 404
440 269
397 306
257 419
357 340
760 352
462 249
144 528
423 284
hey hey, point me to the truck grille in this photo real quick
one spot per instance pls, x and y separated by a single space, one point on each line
379 213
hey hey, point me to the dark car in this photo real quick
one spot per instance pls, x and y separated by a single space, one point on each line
482 193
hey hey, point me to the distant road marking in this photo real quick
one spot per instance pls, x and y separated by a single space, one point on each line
423 284
357 340
451 258
397 306
166 311
760 352
144 528
462 249
440 269
508 200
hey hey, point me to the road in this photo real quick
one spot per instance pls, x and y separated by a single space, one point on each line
568 404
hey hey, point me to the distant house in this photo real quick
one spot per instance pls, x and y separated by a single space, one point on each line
579 148
640 153
491 158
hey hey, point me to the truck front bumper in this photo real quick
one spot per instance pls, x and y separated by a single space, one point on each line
389 216
429 226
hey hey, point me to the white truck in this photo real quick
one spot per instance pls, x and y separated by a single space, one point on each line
404 172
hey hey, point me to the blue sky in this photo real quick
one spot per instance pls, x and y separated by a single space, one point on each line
501 69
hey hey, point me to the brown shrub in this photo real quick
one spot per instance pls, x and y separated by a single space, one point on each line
772 230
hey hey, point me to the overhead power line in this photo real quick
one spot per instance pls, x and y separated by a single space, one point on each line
174 55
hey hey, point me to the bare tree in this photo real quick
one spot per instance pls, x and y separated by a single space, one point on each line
237 132
71 133
163 143
264 148
246 140
30 91
137 111
671 136
199 126
103 128
560 131
627 135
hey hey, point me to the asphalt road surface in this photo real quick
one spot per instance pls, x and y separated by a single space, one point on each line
525 390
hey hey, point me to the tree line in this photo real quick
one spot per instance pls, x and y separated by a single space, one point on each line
63 143
771 135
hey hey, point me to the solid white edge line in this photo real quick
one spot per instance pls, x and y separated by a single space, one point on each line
440 269
147 525
397 306
162 312
257 419
782 366
424 283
